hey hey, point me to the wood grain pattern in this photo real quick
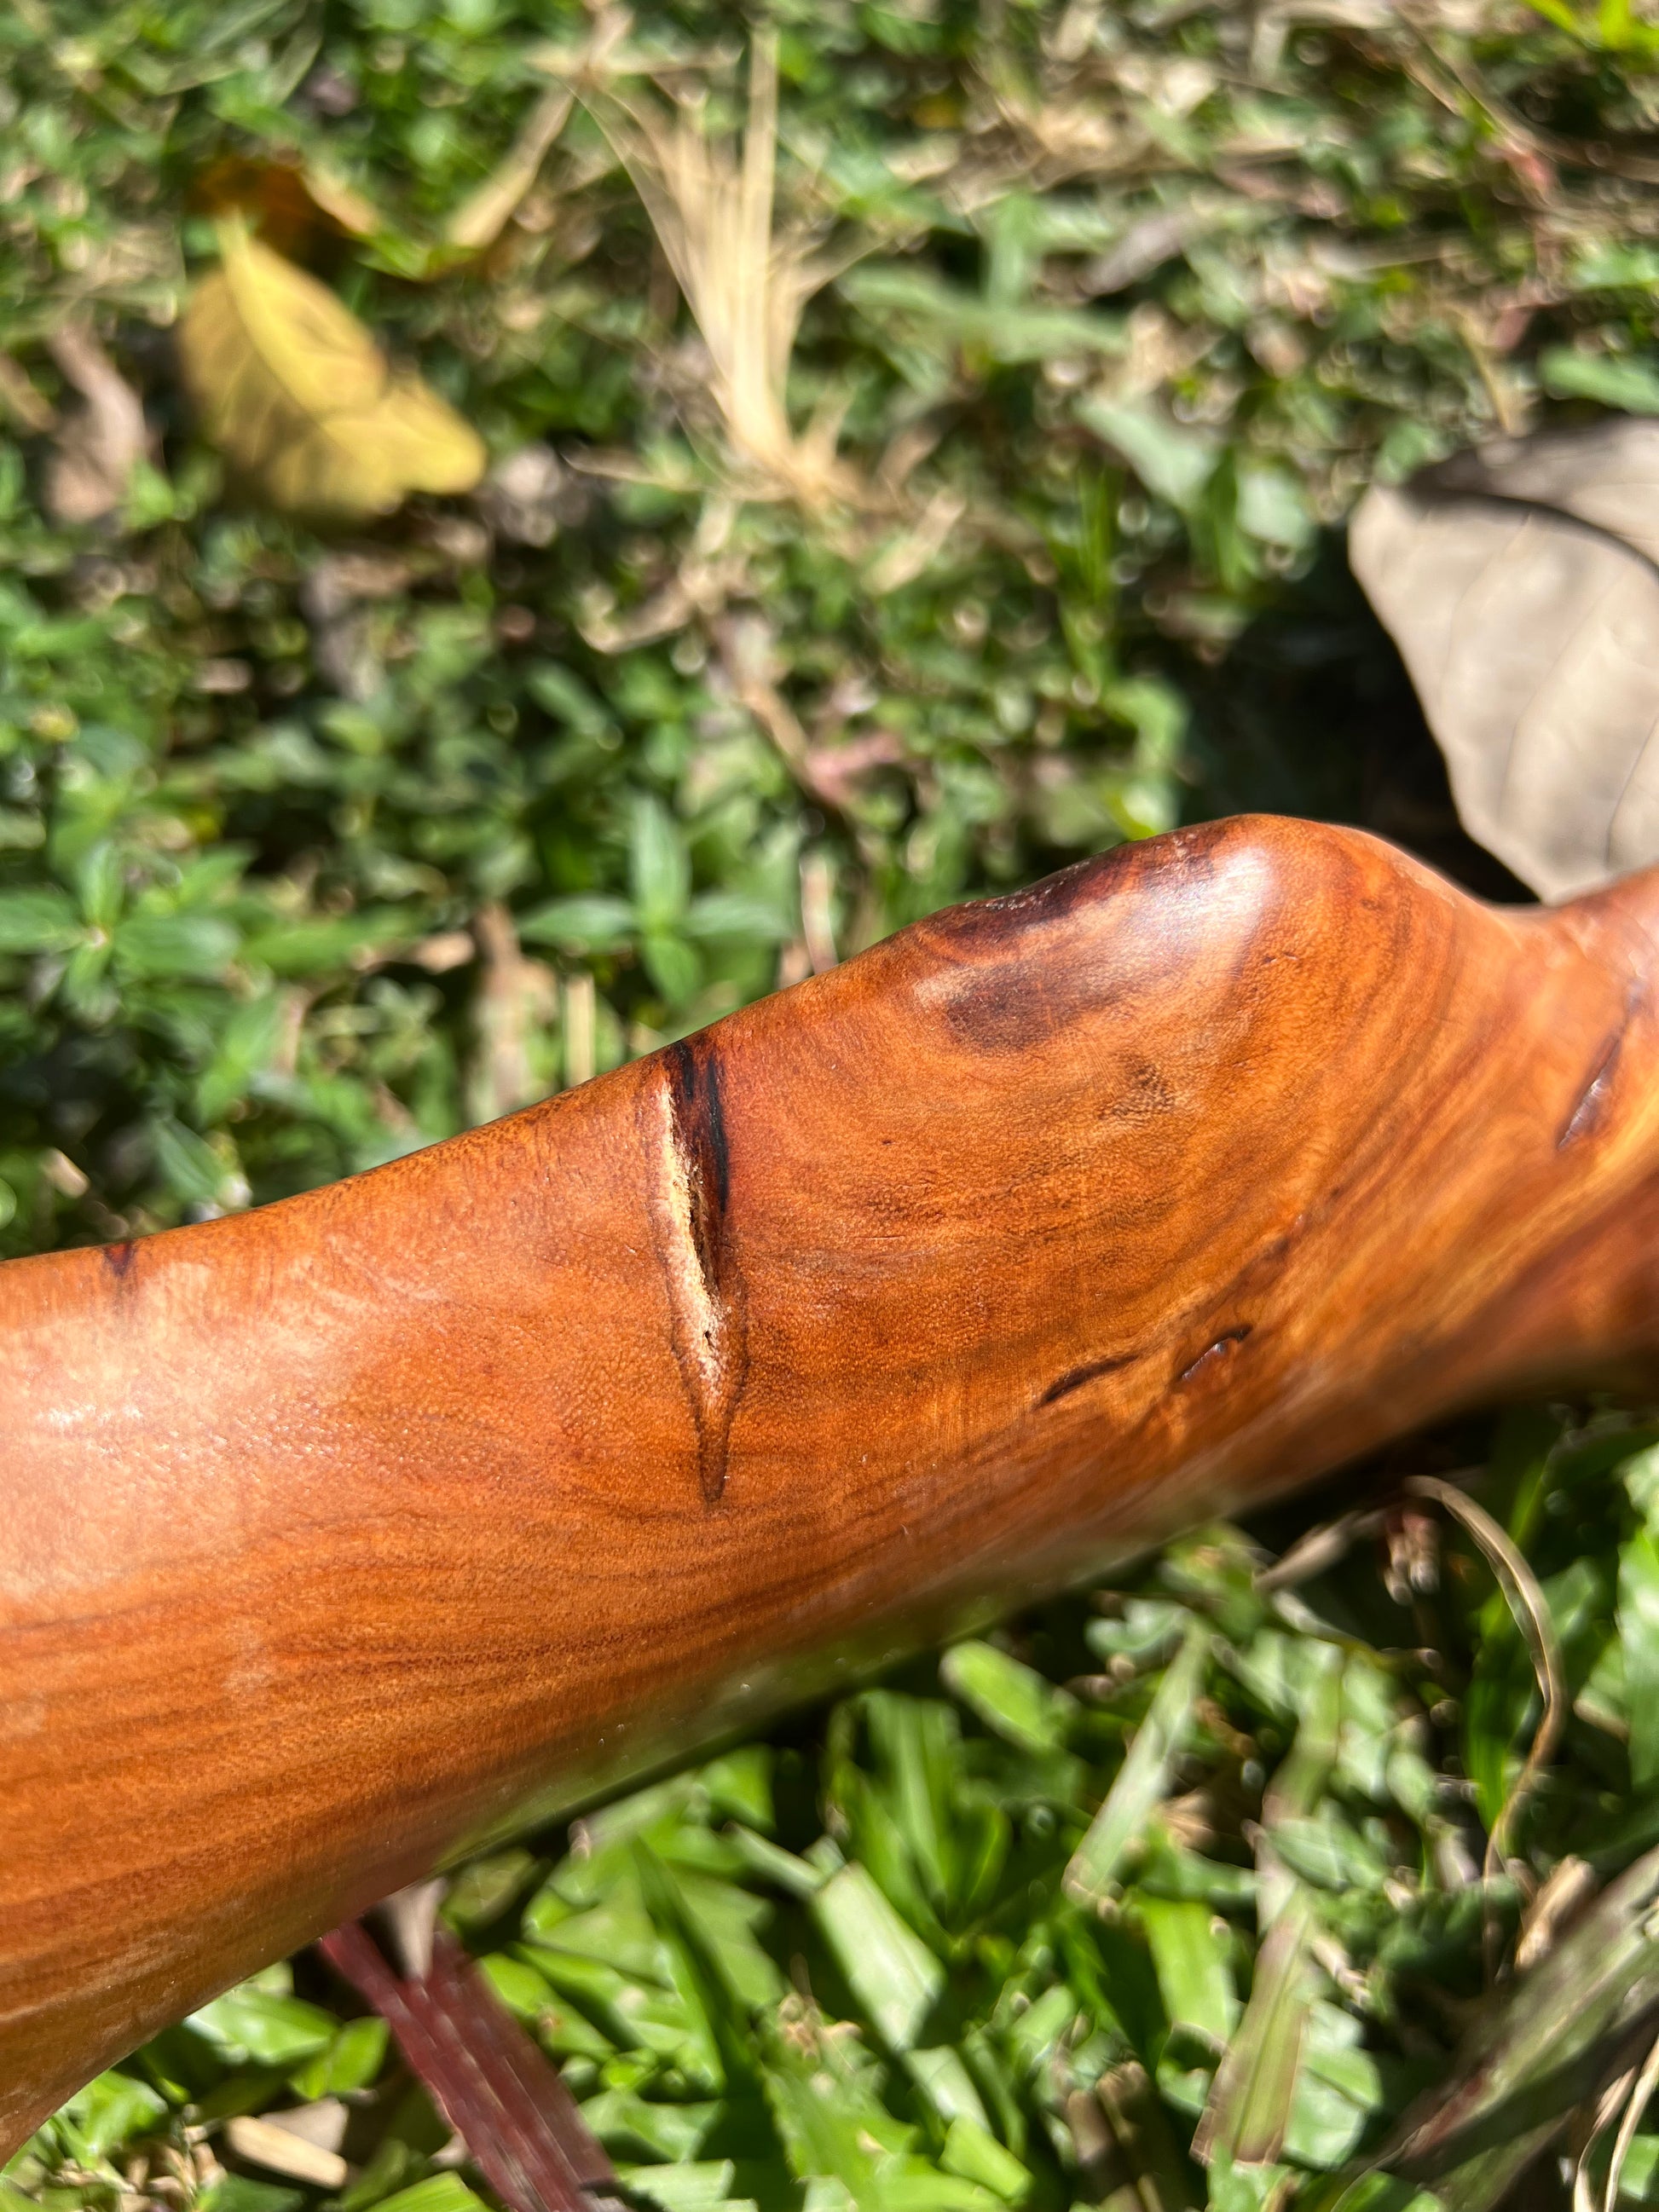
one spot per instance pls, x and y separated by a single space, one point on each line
341 1534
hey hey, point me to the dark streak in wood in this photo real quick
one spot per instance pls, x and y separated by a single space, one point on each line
1075 1377
1007 993
699 1115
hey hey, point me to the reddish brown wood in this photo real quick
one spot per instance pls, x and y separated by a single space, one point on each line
342 1534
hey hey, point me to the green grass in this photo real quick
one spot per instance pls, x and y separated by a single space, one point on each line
318 846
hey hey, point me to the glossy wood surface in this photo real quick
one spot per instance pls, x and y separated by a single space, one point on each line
337 1534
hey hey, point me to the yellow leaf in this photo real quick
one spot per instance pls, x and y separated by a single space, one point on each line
297 394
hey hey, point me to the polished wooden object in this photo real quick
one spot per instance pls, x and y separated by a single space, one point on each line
340 1535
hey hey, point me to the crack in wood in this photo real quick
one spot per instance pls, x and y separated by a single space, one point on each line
690 1217
1076 1377
1593 1098
1223 1346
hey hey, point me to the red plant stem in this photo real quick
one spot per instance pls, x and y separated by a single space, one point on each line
520 2125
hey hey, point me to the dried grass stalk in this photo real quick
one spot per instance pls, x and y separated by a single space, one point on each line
712 205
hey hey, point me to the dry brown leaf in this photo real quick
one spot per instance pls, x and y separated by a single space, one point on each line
345 207
292 204
1522 586
102 442
301 399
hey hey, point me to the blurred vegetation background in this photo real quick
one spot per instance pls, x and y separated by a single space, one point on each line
920 433
318 842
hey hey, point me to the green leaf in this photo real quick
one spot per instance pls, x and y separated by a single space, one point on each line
768 1862
708 1979
592 923
1143 1779
240 2192
917 1745
945 2082
523 1990
826 2131
166 946
727 1919
631 2127
1148 1631
394 2159
1330 1852
738 1785
247 1046
1008 332
671 964
482 1891
896 1978
1012 1700
1174 464
266 2025
110 2111
440 2192
190 1166
1639 1476
972 2152
737 913
1638 1636
39 921
299 948
566 696
658 872
1254 2092
1316 1671
1340 2093
1273 506
688 2185
1188 1946
352 2061
99 881
1617 380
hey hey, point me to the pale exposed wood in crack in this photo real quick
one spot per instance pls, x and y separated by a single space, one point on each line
1592 1102
687 1139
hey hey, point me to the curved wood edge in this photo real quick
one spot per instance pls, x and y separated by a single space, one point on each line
344 1534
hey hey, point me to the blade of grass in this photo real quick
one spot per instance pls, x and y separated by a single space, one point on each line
1250 2105
1143 1779
1531 1610
1641 2092
1538 2051
895 1977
